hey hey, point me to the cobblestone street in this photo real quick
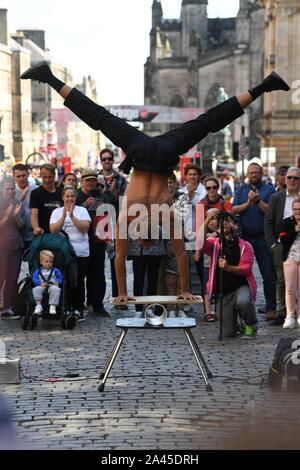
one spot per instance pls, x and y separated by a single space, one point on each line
155 397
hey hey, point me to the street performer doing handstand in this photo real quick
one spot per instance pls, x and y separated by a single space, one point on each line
152 158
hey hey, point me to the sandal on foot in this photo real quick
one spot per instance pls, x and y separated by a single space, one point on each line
209 317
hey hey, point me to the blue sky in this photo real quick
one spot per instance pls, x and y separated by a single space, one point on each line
107 39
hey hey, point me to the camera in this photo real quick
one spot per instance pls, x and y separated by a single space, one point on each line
228 215
95 193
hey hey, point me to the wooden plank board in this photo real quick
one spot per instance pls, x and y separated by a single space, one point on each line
168 323
158 299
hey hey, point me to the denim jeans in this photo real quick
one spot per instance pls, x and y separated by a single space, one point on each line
237 305
266 267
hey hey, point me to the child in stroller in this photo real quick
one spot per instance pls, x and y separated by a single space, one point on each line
58 305
46 279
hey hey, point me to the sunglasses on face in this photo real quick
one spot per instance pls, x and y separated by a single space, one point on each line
296 178
107 159
209 188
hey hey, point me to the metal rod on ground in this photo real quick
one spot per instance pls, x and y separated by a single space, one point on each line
220 293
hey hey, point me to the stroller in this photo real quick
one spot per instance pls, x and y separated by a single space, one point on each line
65 261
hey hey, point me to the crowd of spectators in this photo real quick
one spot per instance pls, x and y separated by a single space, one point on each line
257 220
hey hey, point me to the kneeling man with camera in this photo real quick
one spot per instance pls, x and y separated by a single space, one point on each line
230 276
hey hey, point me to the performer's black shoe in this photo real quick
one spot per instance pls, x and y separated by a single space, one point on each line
40 72
274 82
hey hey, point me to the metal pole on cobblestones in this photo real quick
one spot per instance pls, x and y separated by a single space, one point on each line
220 293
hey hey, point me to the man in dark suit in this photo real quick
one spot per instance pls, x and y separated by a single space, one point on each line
279 208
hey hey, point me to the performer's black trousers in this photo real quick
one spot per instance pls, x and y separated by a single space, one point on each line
158 154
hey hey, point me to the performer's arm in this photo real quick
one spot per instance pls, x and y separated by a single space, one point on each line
120 268
177 246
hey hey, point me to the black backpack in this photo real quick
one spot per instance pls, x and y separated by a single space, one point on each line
286 362
23 291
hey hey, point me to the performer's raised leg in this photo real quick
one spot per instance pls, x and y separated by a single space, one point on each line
190 133
97 117
155 154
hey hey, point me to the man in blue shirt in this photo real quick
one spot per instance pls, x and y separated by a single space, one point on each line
251 203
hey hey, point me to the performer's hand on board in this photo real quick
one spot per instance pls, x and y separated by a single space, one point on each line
187 296
123 298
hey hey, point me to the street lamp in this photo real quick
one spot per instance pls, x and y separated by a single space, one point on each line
35 159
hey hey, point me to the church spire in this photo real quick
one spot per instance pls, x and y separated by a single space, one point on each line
157 13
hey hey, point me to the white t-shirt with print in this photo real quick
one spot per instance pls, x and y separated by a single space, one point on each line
79 241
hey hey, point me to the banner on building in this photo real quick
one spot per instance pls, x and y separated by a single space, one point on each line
143 114
155 114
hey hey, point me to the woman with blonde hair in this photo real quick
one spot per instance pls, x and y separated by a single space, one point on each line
289 234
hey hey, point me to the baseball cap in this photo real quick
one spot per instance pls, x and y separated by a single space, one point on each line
89 174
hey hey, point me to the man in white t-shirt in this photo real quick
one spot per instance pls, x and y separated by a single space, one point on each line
75 221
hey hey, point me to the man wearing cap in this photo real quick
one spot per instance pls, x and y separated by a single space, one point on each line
90 196
251 203
153 158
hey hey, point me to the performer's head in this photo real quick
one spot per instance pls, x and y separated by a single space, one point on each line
172 183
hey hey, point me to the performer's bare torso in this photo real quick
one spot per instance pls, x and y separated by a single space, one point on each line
148 188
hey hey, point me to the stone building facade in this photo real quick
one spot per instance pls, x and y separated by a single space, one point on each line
281 123
43 96
15 97
193 56
75 138
26 105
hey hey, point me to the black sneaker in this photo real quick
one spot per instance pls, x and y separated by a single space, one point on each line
101 312
262 309
274 82
40 72
79 315
279 321
9 315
